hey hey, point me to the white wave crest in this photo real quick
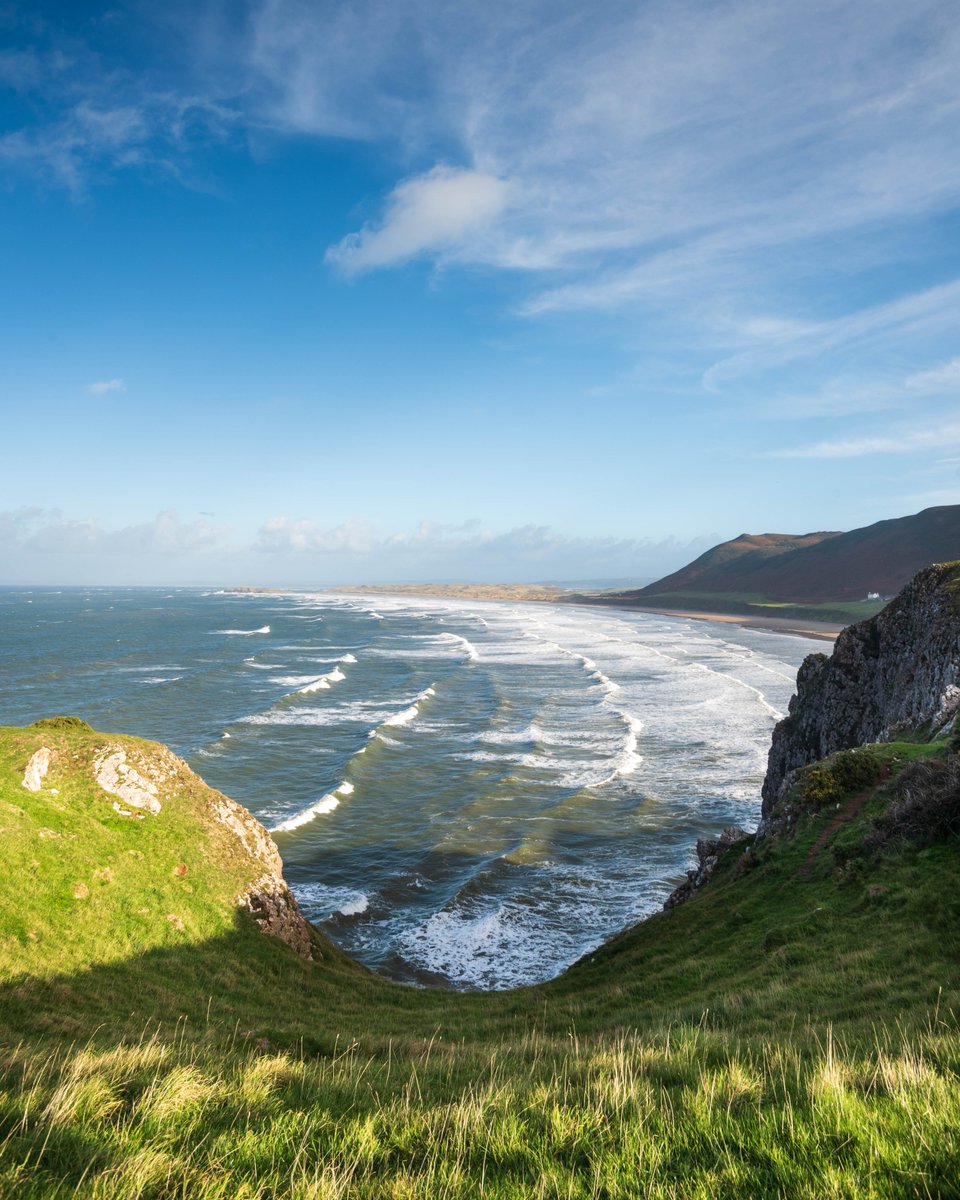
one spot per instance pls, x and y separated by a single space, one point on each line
468 647
326 804
321 684
348 658
244 632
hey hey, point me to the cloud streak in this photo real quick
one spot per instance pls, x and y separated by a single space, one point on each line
907 441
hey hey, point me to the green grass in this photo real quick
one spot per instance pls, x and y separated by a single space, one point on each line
844 612
790 1031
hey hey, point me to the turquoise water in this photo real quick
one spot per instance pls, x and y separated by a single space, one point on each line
464 793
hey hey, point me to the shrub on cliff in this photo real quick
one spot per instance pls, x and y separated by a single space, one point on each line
925 808
844 773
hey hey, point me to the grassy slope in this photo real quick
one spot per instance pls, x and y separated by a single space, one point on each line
749 604
783 1033
814 576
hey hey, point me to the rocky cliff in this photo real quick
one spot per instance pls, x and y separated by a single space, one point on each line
895 673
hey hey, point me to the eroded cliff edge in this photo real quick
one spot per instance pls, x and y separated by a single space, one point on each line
891 675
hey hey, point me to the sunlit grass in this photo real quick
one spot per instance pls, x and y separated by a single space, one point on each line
690 1113
789 1032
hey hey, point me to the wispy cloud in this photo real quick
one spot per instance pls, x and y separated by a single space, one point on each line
906 441
103 386
719 170
945 377
430 212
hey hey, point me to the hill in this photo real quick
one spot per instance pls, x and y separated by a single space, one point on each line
825 575
788 1031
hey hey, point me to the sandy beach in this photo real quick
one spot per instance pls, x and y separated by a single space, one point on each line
822 630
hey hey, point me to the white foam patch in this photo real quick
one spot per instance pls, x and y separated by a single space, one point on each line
243 632
319 901
367 712
348 658
404 717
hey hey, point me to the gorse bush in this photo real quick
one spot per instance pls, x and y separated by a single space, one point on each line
847 771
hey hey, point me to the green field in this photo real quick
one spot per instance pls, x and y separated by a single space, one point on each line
842 612
791 1031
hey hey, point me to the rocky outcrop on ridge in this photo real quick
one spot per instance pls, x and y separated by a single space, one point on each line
895 673
709 853
268 899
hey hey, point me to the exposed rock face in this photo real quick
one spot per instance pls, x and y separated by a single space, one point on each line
120 778
268 898
143 780
275 911
899 671
709 853
37 768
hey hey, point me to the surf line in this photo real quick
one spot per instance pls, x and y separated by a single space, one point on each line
630 758
326 804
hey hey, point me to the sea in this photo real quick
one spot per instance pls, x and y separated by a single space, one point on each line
465 794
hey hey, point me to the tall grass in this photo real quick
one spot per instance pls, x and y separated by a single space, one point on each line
689 1114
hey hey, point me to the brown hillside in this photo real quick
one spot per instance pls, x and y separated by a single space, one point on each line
820 567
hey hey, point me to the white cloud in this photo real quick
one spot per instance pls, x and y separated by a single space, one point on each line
34 530
281 535
429 212
103 386
654 140
471 550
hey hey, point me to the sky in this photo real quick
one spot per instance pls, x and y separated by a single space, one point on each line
306 292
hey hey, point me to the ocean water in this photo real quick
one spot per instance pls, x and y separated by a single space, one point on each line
466 794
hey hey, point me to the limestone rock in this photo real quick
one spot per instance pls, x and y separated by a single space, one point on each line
120 778
37 768
268 898
897 672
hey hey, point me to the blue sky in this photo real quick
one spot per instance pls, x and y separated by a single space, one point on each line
300 291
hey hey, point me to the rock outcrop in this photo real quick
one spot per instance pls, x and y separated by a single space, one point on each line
709 853
118 777
36 769
268 899
895 673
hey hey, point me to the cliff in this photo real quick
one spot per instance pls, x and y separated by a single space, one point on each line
897 673
129 850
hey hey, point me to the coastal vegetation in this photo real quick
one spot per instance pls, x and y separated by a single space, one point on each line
790 1031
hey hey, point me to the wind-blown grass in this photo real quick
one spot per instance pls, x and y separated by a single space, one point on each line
789 1032
689 1114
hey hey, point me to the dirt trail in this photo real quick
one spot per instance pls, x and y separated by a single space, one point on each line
847 813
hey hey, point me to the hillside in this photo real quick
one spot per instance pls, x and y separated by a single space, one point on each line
731 559
788 1031
817 574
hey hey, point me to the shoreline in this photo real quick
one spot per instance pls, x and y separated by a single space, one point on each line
823 631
